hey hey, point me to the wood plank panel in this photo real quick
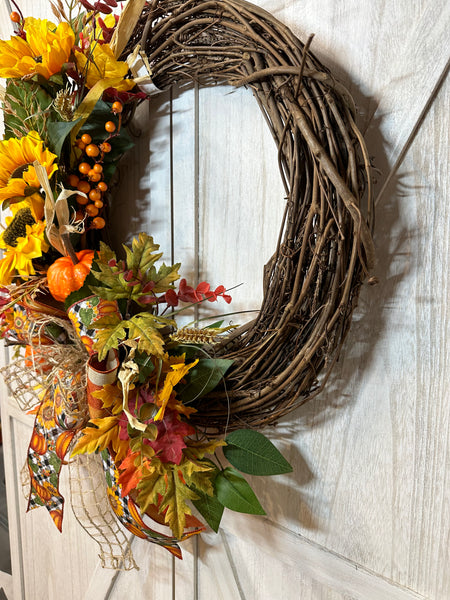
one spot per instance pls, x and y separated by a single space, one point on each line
152 580
141 200
11 487
371 455
267 558
184 194
430 516
241 197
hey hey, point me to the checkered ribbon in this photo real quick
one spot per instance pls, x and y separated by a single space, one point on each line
48 446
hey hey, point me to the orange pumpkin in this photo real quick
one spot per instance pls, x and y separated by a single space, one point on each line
64 277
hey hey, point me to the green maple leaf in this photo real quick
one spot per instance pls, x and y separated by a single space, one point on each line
149 487
119 282
105 254
175 501
113 285
144 327
164 277
110 332
172 485
142 256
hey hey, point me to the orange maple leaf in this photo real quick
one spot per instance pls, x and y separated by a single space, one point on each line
130 473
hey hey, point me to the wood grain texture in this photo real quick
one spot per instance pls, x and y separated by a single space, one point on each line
290 564
371 457
372 461
11 486
6 585
241 199
153 580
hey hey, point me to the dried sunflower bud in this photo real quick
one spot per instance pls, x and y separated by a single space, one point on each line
18 227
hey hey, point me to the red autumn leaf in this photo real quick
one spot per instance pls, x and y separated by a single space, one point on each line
171 298
169 443
203 287
187 292
130 475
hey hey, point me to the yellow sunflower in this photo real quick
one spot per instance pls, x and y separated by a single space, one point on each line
18 259
35 203
27 212
102 65
16 159
46 48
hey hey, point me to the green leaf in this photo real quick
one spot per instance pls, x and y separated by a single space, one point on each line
146 366
58 79
105 254
164 277
142 255
57 132
235 493
117 282
110 332
251 452
27 107
55 331
210 508
78 295
190 351
215 325
204 377
143 327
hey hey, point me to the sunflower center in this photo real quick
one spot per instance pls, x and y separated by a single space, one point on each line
19 171
18 227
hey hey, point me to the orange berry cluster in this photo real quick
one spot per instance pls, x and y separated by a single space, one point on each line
89 179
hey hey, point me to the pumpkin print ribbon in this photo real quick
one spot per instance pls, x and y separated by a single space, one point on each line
85 312
57 421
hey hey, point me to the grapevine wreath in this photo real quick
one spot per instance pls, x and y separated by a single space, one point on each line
136 406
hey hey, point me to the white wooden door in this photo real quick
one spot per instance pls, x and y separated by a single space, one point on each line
365 514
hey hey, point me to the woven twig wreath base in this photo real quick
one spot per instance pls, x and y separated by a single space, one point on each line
325 248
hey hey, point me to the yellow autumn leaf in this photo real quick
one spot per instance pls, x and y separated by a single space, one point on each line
111 397
198 449
174 376
103 435
175 501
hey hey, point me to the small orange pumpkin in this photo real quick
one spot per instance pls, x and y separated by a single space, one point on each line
64 277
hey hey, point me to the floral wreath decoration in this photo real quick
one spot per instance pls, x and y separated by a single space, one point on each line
136 406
